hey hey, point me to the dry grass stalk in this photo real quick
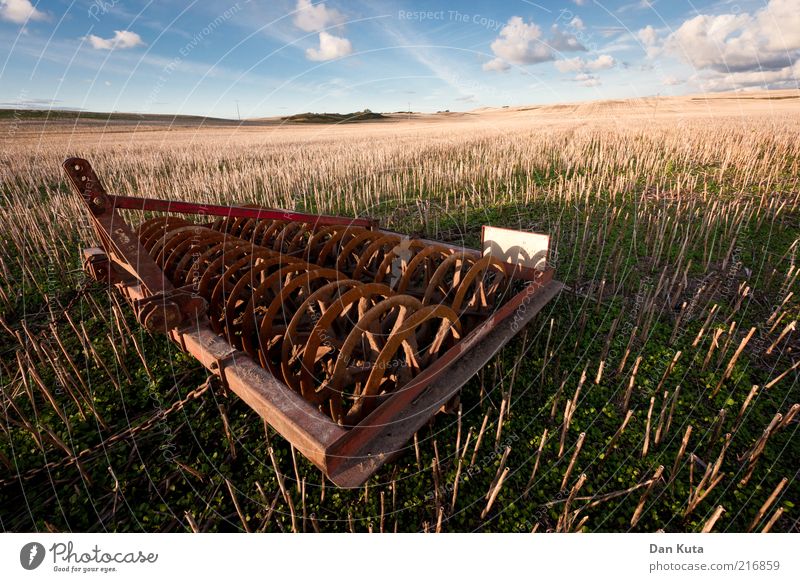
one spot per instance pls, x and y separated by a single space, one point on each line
661 418
668 371
732 362
745 404
564 428
637 514
789 416
564 520
786 330
192 523
463 452
681 451
494 491
780 307
711 478
754 453
577 451
774 381
712 346
226 425
775 517
500 423
458 431
303 503
294 465
237 506
479 439
278 474
711 522
675 397
702 331
628 349
612 443
536 462
557 399
631 382
499 471
646 445
455 484
767 504
719 421
416 452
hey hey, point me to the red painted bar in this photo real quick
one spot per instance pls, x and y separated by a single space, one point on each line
154 204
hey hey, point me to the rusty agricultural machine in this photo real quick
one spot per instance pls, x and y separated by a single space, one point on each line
346 338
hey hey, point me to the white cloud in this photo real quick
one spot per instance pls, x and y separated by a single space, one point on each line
578 64
647 35
577 23
122 39
330 47
496 64
581 2
19 11
776 79
587 80
564 41
730 43
671 81
779 23
315 17
522 43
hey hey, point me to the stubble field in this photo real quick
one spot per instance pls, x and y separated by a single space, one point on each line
659 391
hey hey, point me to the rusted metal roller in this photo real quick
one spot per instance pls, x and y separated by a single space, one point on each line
269 329
150 231
237 285
416 277
370 364
344 337
292 238
482 289
303 327
332 327
411 347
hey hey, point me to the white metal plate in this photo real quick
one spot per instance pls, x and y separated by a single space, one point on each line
527 249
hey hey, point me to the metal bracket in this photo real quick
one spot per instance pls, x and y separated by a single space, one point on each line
166 311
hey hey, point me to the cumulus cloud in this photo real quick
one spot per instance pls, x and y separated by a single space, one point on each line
564 41
519 43
587 79
578 64
122 39
315 17
577 23
496 65
647 36
785 77
522 43
19 11
330 47
731 43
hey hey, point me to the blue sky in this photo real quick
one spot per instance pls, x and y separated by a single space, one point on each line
289 56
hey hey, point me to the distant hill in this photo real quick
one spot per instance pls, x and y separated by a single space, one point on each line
71 114
365 115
